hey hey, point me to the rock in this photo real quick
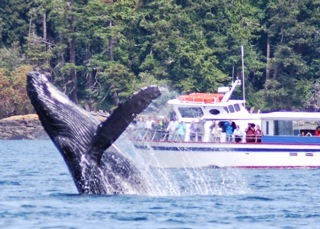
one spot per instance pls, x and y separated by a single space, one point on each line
29 127
22 127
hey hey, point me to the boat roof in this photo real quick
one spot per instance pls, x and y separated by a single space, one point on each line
288 115
192 104
238 116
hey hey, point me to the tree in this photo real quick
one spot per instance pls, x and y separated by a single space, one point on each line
13 94
39 47
11 58
100 51
291 41
171 46
13 21
63 17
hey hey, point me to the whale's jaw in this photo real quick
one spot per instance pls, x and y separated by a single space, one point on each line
86 144
60 117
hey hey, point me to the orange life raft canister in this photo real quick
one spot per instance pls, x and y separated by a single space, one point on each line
201 98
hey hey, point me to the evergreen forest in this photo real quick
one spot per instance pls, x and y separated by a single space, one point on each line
101 51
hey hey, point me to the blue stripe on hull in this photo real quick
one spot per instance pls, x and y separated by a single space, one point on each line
217 149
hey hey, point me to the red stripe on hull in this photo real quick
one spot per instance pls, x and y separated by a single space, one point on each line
274 167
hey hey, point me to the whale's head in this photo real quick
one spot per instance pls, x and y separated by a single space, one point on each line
65 123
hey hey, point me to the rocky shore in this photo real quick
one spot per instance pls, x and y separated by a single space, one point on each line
22 127
29 127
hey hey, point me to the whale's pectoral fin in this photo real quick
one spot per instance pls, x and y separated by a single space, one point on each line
109 130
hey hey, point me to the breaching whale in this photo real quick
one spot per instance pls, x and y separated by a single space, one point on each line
86 144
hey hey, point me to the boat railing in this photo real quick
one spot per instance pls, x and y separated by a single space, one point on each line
142 134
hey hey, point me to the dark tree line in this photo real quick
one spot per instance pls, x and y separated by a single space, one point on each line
101 51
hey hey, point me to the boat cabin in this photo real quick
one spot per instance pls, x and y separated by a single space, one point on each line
290 127
187 112
209 106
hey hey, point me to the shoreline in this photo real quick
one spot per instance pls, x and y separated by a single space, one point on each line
22 127
29 127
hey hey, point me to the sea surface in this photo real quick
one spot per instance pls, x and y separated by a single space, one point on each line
37 191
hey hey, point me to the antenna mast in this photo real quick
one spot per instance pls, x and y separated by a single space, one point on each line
243 86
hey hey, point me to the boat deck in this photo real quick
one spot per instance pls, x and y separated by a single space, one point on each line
162 136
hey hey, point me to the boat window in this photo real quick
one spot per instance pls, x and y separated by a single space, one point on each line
226 109
231 109
301 128
190 112
283 127
214 111
237 107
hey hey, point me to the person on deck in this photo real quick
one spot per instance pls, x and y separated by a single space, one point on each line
172 126
215 131
258 133
250 132
180 131
149 124
317 131
193 131
229 126
309 134
159 130
238 134
200 129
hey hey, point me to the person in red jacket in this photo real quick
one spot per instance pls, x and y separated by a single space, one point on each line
317 131
250 132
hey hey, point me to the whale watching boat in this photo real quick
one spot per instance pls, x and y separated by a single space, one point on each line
284 140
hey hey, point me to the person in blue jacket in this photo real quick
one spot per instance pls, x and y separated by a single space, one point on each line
229 127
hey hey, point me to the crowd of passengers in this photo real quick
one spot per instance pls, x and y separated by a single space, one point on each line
162 129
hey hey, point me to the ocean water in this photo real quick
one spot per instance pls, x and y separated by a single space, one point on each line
37 191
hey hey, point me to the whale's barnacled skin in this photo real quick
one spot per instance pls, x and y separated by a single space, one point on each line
95 163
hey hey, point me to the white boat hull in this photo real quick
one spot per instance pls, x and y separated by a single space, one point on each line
235 155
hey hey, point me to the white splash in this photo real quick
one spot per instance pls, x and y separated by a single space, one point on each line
187 181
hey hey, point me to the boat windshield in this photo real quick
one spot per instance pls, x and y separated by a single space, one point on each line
237 107
190 112
231 109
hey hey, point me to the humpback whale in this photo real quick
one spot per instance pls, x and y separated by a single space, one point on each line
86 144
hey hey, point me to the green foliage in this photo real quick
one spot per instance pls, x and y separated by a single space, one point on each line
313 103
14 21
279 97
10 58
13 94
102 51
115 81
